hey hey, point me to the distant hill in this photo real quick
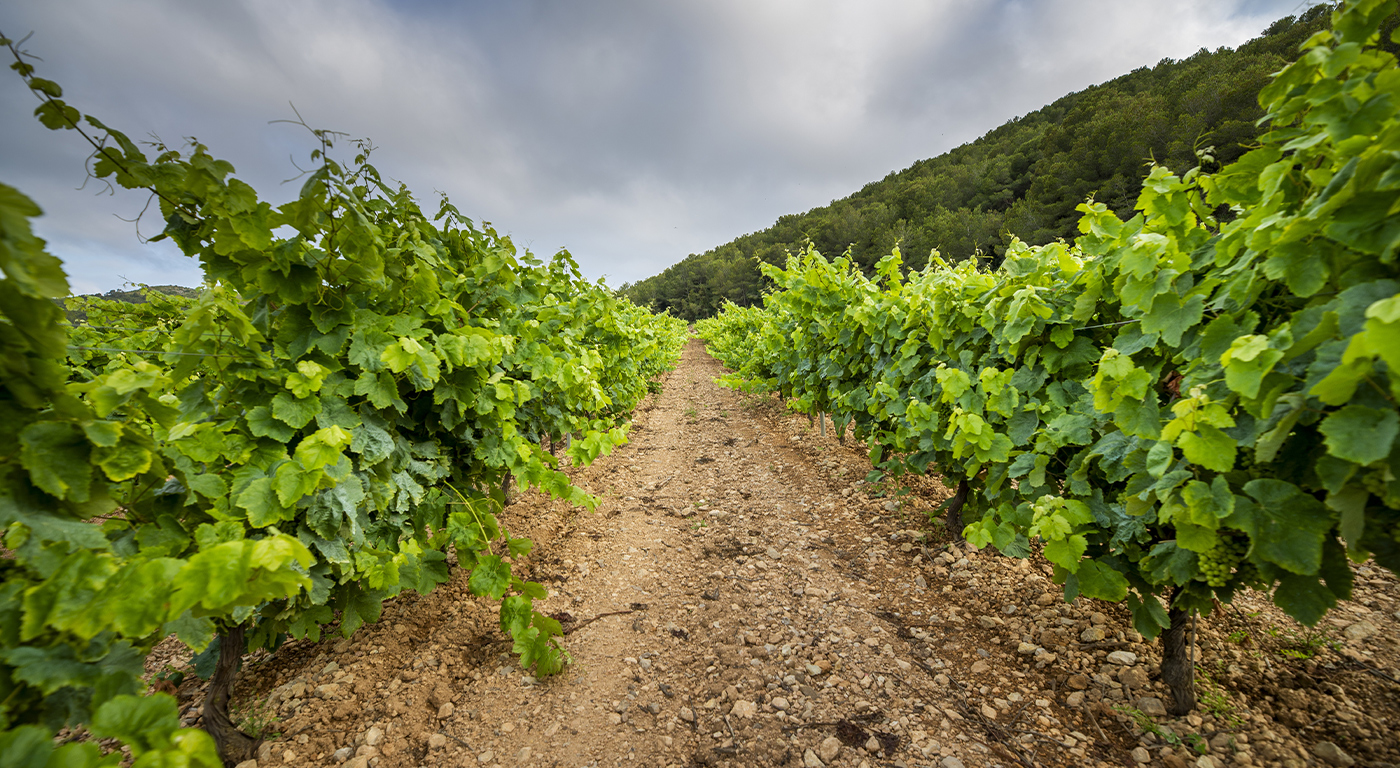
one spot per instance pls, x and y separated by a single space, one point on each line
133 296
1023 179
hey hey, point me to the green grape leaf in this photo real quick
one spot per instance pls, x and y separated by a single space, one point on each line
1196 538
515 614
1172 317
1160 458
1304 597
519 548
1350 502
1101 582
1360 434
1209 447
244 572
360 607
208 485
143 723
1066 552
57 457
1286 527
195 633
104 434
262 424
1149 617
292 483
372 443
490 577
261 502
293 411
322 448
1140 419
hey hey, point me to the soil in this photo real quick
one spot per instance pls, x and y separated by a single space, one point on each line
744 597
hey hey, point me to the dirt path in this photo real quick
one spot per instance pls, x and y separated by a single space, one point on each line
743 598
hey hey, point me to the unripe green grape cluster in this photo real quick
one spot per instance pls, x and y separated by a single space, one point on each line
1218 564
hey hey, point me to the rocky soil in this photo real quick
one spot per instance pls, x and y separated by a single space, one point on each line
743 597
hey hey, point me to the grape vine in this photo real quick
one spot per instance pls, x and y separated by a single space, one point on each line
1178 406
337 410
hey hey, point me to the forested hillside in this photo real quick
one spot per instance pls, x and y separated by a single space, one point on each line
1022 179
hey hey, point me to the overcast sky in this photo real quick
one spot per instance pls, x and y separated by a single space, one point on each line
631 133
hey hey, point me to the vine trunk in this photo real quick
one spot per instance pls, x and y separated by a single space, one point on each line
1178 666
234 745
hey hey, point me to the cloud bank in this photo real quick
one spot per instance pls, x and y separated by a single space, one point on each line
631 133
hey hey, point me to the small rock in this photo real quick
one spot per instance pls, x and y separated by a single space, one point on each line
687 715
445 711
359 761
614 718
525 752
1091 635
744 709
872 745
1026 649
1152 706
486 757
779 703
813 670
829 749
990 622
289 756
1222 742
247 764
1332 753
342 754
437 741
1078 682
1141 755
810 760
1123 658
1074 699
1133 677
951 762
1205 761
1360 631
980 667
374 736
989 711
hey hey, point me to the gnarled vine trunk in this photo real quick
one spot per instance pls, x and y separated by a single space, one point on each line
954 519
234 745
1178 668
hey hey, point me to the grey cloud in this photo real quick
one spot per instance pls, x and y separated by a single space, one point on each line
632 133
